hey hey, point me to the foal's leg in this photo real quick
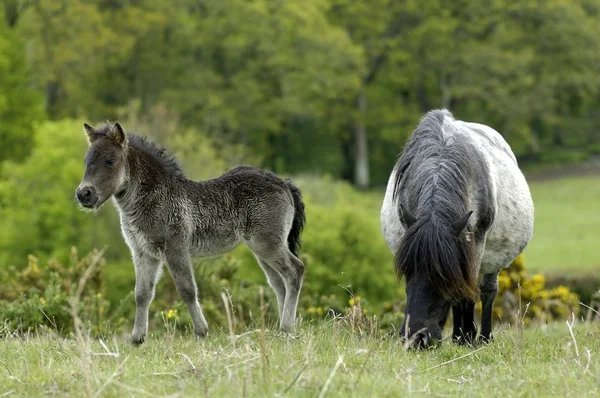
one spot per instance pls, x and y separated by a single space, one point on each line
147 273
180 267
292 271
489 290
276 282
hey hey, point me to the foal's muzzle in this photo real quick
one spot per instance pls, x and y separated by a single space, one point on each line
87 196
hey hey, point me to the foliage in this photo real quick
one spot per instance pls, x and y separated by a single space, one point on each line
218 283
40 297
319 86
523 297
20 105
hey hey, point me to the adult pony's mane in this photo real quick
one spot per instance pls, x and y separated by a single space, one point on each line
151 149
432 183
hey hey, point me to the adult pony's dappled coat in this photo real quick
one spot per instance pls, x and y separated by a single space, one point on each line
166 218
456 207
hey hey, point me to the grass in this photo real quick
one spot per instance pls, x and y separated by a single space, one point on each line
320 360
567 224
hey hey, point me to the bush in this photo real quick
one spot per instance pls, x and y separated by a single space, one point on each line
40 297
218 282
527 297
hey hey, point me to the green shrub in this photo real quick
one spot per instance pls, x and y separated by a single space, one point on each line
40 297
215 277
526 297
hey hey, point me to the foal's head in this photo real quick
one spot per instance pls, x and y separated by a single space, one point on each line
437 257
105 165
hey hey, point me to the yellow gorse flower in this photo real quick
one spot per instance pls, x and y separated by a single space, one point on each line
354 300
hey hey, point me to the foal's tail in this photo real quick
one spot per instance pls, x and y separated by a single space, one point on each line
299 219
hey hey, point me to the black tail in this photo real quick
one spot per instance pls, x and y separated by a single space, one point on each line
299 219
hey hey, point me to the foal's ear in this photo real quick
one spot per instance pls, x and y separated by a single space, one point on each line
408 218
91 133
117 133
459 225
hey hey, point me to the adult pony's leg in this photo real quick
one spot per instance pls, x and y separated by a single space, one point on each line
457 320
180 267
489 290
276 282
464 322
147 273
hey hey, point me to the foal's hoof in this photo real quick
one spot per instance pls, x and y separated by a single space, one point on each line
201 333
287 329
137 340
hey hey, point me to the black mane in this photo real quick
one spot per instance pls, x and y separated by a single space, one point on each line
432 183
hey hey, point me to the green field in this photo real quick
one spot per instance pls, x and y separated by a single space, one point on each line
324 360
567 226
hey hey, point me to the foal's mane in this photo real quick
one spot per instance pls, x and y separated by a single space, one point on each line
149 148
432 183
157 152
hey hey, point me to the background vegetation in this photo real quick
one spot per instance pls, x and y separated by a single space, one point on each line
324 91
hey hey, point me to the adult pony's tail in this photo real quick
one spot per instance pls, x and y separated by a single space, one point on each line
299 219
431 247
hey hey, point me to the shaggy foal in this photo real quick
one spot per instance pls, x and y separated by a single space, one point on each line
166 218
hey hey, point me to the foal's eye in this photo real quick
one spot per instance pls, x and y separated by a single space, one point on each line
109 162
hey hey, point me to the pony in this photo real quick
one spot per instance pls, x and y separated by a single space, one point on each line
456 211
167 218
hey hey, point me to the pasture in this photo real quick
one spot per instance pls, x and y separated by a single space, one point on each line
567 224
318 360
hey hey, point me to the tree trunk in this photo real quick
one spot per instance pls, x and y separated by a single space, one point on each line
361 161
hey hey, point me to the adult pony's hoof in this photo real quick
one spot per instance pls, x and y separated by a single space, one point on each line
481 339
466 339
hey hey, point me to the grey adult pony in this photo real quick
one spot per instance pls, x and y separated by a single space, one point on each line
166 218
456 206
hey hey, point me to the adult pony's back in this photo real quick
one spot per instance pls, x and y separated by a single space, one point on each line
456 206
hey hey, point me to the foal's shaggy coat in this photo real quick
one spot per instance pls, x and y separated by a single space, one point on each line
166 218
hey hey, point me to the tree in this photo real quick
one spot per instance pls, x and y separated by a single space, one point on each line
20 105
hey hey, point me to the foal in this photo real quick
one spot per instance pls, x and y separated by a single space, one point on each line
166 218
